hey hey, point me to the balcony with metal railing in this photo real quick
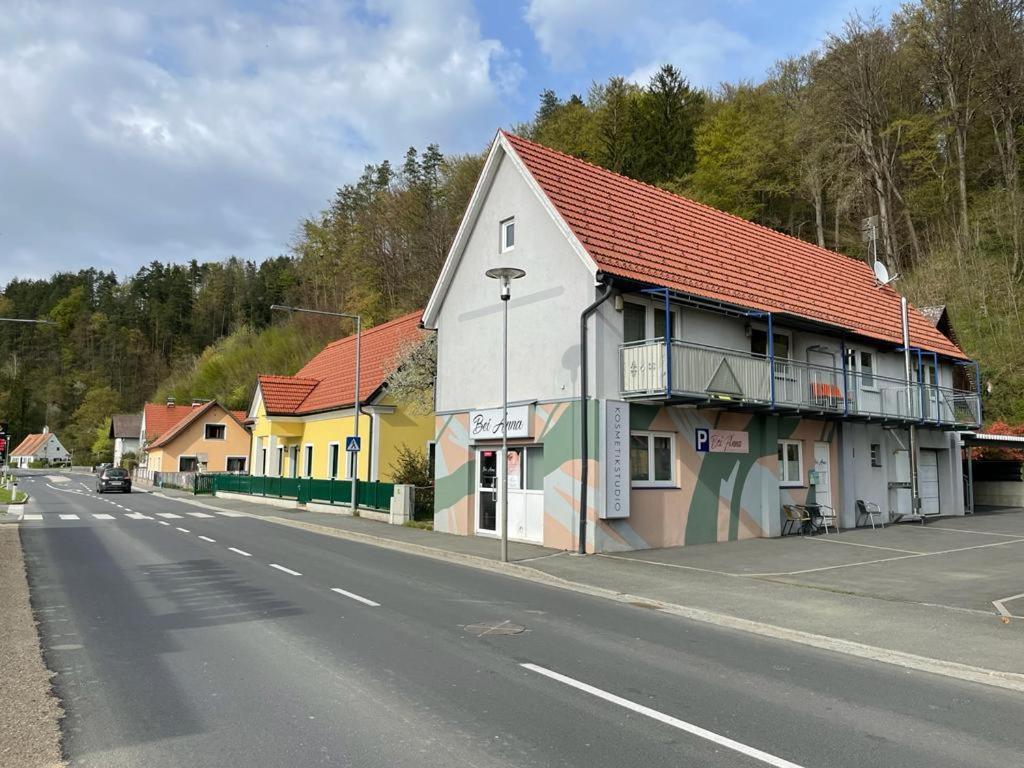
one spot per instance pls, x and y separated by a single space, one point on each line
681 371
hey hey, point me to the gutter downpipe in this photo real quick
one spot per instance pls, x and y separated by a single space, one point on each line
846 397
584 394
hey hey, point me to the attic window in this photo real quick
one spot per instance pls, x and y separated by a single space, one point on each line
508 235
215 431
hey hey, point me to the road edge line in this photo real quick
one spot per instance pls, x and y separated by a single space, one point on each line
1013 681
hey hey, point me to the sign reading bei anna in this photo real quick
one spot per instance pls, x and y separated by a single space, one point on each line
721 441
486 425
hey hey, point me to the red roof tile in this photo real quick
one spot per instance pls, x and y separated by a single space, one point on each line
192 415
327 381
160 417
644 233
30 444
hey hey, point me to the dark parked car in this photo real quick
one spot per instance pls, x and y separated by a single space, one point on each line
114 479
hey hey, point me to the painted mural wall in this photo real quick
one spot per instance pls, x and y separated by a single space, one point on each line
719 496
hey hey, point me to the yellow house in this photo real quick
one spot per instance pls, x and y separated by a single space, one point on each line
301 422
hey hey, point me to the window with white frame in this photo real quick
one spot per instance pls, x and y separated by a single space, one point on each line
307 463
862 363
781 343
280 461
652 459
641 322
525 468
188 463
235 464
508 235
876 454
215 432
333 454
791 463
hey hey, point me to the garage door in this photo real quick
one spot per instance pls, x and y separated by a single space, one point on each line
928 479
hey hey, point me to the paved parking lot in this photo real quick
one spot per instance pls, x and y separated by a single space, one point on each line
965 563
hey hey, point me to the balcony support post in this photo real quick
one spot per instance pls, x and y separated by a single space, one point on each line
771 359
846 385
668 348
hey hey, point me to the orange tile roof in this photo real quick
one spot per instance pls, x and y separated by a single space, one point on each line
30 444
327 382
160 417
641 232
195 412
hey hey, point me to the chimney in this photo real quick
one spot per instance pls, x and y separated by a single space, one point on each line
46 430
170 402
196 402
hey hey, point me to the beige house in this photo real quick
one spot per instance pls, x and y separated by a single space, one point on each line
209 438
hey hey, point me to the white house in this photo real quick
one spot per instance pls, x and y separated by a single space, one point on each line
43 446
730 370
125 429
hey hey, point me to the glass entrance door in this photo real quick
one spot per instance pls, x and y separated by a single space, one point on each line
487 491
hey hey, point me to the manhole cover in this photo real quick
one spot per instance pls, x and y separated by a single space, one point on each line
495 628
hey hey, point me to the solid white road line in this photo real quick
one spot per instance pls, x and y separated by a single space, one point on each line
198 514
68 517
242 552
354 596
999 604
163 522
184 530
103 516
661 717
286 570
207 538
168 515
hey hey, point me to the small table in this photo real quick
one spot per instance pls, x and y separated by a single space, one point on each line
813 523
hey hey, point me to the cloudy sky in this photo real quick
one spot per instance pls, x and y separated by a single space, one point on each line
135 130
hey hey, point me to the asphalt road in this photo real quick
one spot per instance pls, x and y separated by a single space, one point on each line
230 641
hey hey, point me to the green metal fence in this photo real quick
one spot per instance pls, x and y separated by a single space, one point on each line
372 495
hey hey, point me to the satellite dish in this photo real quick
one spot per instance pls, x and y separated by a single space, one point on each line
881 273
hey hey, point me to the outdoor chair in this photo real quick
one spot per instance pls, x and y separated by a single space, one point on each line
828 517
797 518
869 509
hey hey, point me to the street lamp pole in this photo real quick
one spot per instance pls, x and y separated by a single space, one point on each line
354 458
506 275
22 320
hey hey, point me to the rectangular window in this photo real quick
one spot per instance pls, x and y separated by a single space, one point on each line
759 343
534 468
791 463
188 464
867 369
431 457
215 431
332 463
652 459
235 464
280 461
634 322
876 455
308 461
508 235
659 324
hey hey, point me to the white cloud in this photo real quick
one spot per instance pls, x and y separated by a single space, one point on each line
152 130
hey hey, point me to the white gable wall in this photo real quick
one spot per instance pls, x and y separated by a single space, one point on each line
543 314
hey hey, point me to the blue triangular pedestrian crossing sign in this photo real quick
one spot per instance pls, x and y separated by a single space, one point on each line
352 443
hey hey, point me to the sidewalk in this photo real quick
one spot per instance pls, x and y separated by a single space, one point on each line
869 622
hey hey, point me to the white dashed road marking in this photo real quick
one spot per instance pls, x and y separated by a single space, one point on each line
69 517
138 516
231 514
286 570
103 516
168 515
661 717
31 517
207 538
198 514
184 530
163 522
354 596
242 552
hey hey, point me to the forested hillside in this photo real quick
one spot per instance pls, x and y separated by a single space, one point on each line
916 121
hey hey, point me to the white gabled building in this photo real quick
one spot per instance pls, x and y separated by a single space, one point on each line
730 370
43 446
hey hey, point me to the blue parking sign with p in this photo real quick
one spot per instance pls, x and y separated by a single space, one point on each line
702 440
